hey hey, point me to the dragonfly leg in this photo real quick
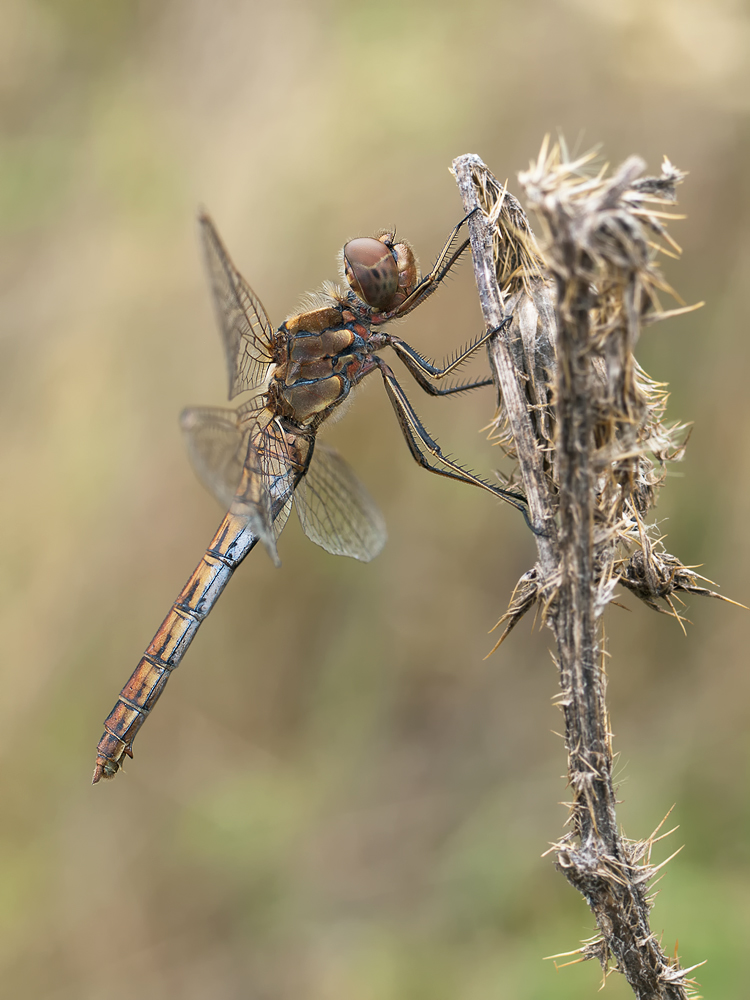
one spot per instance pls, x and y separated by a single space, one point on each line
447 258
423 370
424 448
450 390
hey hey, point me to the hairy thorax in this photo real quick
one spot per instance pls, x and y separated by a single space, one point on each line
320 355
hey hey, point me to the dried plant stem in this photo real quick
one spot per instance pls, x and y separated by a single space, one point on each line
599 865
584 468
574 618
493 309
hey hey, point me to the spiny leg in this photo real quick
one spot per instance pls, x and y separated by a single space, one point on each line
449 390
421 444
447 258
422 370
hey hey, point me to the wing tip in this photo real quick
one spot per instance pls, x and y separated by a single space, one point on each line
188 419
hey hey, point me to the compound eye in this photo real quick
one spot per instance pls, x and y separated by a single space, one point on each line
371 271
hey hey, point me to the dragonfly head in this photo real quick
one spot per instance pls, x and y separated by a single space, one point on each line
379 271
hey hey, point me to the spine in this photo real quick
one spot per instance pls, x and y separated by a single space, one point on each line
229 546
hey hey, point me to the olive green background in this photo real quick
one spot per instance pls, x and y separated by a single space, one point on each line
338 798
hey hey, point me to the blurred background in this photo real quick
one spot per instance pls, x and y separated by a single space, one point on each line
338 797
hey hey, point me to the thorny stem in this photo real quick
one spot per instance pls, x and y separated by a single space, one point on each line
587 472
574 616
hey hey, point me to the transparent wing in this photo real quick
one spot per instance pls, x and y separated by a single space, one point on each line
245 327
217 449
217 440
277 458
248 463
281 518
335 509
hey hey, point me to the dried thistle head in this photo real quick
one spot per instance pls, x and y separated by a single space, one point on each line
523 279
515 251
595 269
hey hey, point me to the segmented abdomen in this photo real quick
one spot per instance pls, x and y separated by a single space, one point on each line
228 548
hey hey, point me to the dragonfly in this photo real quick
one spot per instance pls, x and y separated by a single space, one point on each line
263 458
